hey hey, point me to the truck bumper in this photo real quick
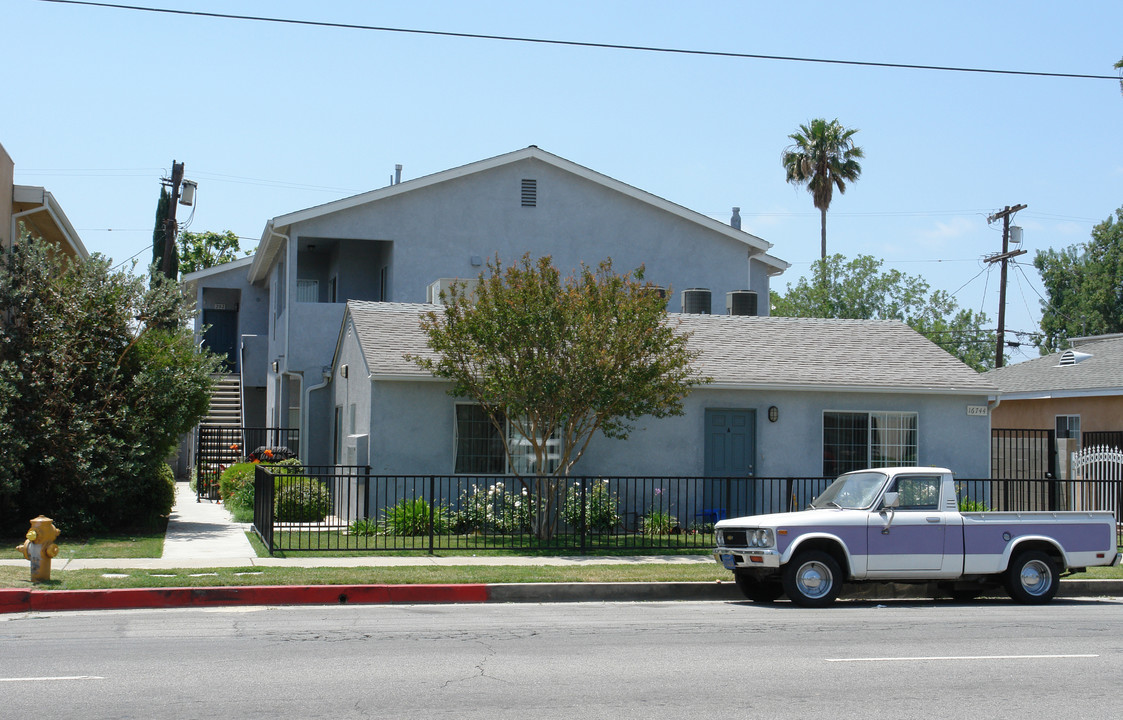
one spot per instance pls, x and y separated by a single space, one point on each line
741 558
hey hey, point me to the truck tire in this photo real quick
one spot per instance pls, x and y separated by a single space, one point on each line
758 590
1032 578
812 579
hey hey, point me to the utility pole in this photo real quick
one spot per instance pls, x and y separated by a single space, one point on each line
171 229
1003 257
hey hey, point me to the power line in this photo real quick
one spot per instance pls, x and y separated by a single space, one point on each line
576 43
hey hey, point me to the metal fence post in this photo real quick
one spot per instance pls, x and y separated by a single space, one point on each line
432 512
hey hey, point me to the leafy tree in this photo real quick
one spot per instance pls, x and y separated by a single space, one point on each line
198 251
99 377
1119 66
1084 284
560 359
822 156
860 289
159 234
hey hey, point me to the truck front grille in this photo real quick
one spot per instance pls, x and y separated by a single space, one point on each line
733 538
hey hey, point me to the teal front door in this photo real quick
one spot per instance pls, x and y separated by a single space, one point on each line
730 452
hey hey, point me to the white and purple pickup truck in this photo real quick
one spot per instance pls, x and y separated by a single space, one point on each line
904 525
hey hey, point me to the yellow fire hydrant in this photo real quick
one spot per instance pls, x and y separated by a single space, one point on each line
40 547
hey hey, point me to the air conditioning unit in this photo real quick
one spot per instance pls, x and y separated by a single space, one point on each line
435 288
696 301
740 302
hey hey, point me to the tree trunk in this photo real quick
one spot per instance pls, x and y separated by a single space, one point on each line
823 229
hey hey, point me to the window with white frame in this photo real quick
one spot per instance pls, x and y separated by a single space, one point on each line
480 451
857 440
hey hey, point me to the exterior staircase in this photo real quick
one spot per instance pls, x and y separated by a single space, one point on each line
226 402
220 435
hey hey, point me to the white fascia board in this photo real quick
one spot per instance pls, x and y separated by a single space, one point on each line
266 252
758 244
217 269
882 390
36 195
1062 394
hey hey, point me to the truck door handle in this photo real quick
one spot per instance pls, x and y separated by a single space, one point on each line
933 519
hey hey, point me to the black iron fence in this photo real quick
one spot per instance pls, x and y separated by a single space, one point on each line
1103 438
347 509
1023 454
219 446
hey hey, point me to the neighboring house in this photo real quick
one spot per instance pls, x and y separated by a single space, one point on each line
37 210
1076 393
404 242
789 397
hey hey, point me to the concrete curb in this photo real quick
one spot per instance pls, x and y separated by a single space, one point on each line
15 601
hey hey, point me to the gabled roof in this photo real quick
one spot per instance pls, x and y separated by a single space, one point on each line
268 246
1046 377
37 208
194 277
737 352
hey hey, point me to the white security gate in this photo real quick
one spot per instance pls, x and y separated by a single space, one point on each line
1097 477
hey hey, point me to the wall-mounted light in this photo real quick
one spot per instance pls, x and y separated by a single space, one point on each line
773 414
343 371
276 366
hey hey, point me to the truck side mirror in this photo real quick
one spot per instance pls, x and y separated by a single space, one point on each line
891 500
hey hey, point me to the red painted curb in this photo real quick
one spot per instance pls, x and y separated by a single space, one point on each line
134 598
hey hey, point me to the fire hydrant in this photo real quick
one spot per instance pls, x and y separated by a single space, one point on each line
40 547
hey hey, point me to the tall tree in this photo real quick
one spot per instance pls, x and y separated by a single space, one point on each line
198 251
560 360
99 376
159 233
823 157
860 289
1084 285
1119 66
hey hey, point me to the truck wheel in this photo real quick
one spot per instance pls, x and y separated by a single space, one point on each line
1032 578
757 590
812 579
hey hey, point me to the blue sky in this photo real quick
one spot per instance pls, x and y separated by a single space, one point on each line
272 118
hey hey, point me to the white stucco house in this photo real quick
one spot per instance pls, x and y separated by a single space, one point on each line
330 302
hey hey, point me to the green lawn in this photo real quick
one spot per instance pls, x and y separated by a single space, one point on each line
137 545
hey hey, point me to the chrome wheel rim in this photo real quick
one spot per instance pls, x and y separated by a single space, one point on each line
1036 578
814 580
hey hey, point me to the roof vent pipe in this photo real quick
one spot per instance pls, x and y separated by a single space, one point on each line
398 174
735 221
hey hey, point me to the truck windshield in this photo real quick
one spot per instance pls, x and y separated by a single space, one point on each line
854 491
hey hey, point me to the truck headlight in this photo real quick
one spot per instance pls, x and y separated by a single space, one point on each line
761 538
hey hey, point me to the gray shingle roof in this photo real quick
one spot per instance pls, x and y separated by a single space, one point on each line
793 353
1044 376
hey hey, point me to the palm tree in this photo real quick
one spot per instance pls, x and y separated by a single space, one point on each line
822 156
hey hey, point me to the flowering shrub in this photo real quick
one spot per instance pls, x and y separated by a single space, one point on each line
659 520
601 507
494 509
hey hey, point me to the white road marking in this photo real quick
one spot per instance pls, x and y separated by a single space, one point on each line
58 677
960 657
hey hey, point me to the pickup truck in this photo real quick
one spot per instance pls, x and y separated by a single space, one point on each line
904 525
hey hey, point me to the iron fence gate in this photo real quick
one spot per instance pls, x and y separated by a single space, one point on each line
219 446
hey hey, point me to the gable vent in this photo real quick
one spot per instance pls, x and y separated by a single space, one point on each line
530 193
1071 357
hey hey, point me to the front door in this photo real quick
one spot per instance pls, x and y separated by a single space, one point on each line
221 336
730 452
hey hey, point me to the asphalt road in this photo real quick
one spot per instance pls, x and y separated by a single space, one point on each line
573 660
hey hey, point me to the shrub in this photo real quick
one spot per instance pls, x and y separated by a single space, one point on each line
411 517
301 500
600 507
493 509
659 522
236 486
364 527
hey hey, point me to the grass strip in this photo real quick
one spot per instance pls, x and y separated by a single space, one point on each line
13 577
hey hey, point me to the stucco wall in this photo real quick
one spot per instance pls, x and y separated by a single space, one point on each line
1096 413
411 432
437 231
